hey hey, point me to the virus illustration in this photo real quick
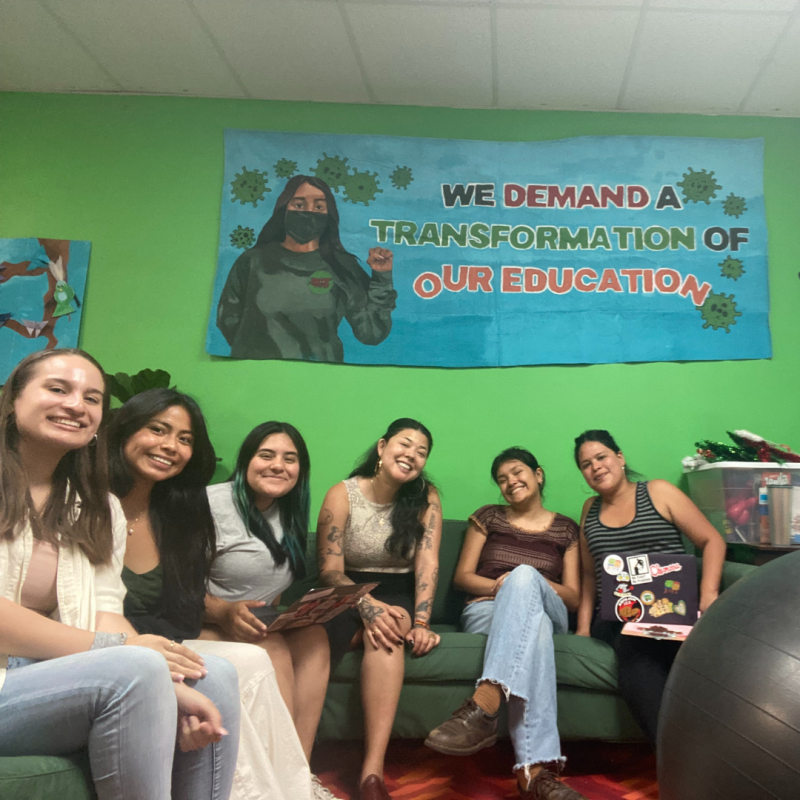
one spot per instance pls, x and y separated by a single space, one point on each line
732 268
361 187
333 170
243 237
719 311
249 186
401 177
285 168
699 186
734 206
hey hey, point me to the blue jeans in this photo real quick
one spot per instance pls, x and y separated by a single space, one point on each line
120 704
520 623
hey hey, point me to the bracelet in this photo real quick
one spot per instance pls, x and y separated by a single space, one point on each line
418 623
103 640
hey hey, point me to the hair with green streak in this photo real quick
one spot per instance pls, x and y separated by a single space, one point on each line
294 506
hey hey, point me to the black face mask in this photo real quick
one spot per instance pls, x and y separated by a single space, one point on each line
305 226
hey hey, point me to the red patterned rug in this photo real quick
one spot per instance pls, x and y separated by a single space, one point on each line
597 770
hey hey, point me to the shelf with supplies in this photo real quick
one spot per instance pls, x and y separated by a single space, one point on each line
754 505
757 554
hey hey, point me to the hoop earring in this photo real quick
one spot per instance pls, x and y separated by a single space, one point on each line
93 442
378 467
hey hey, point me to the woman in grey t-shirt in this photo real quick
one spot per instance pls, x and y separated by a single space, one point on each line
261 519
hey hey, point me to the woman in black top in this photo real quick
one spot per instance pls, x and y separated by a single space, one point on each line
161 461
648 516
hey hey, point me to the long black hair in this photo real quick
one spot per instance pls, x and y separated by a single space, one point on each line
330 245
179 512
517 454
412 499
294 507
607 440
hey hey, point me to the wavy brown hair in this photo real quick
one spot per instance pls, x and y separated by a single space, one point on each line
80 477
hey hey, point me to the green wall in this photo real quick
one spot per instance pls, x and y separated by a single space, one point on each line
141 178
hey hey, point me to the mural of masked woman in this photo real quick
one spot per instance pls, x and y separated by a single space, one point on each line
286 295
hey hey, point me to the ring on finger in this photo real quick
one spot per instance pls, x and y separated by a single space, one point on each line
171 645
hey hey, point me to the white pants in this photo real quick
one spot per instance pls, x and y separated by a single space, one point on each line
271 763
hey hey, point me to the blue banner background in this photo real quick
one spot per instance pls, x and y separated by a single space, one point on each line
477 329
21 297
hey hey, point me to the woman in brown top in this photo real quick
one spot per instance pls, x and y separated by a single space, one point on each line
520 563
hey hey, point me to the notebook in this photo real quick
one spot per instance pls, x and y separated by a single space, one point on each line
655 594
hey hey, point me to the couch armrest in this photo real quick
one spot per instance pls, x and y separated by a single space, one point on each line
732 572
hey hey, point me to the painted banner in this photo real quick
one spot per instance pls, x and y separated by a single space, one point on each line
42 284
453 253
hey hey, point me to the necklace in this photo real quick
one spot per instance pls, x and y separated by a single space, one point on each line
133 522
383 515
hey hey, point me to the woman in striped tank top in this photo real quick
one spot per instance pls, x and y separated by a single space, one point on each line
649 516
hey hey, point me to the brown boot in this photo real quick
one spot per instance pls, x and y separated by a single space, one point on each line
547 786
469 729
374 788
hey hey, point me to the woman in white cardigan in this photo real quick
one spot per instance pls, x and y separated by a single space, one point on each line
66 681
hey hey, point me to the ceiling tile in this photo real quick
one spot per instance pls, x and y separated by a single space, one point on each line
725 5
154 46
549 57
588 4
295 50
698 62
432 55
778 90
38 55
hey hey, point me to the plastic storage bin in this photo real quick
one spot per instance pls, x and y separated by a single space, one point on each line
735 496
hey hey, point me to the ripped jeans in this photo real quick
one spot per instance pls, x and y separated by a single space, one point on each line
520 623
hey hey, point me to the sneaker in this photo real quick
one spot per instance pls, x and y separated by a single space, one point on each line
469 729
547 786
320 792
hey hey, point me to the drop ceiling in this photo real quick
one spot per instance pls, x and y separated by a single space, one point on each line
685 56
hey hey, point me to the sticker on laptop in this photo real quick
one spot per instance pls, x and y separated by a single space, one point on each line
661 607
657 570
647 597
623 577
680 608
613 565
639 568
622 589
673 587
629 609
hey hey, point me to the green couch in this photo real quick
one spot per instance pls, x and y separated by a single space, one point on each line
435 685
588 704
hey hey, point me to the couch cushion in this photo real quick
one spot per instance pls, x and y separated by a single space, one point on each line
585 663
580 662
458 658
46 777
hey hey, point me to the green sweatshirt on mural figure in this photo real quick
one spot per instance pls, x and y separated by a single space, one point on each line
277 303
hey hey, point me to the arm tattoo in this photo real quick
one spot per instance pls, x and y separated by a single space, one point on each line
420 584
369 612
423 608
427 537
335 538
325 517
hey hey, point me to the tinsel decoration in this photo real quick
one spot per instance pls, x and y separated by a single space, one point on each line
747 447
719 451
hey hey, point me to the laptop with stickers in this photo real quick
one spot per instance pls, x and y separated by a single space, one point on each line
655 594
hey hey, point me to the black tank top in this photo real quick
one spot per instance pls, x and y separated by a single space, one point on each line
649 532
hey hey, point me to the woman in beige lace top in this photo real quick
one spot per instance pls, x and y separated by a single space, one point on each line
383 525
